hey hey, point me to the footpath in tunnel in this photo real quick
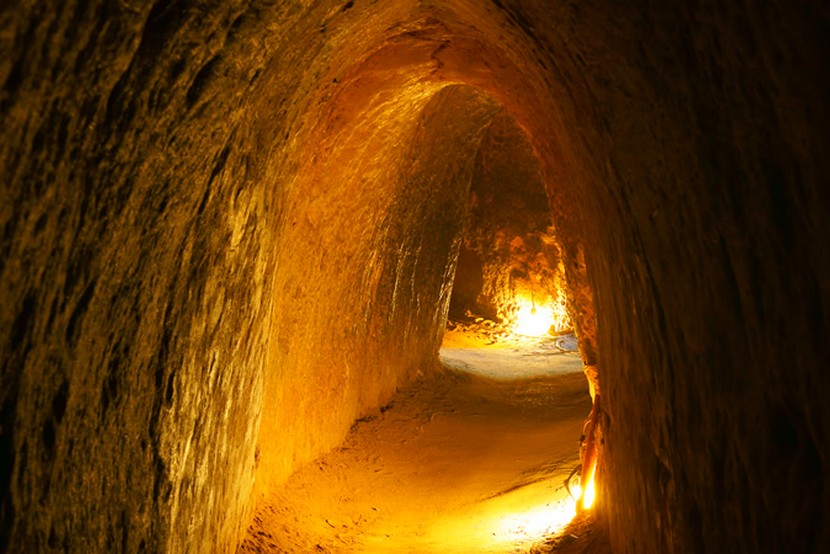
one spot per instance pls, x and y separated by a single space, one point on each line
470 459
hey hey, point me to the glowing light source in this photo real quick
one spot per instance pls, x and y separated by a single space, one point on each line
535 319
590 492
532 320
585 497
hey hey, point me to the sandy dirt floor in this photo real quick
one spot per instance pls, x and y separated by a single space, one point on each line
471 460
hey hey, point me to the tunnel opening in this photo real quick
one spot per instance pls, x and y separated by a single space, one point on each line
510 272
221 225
414 141
509 316
490 456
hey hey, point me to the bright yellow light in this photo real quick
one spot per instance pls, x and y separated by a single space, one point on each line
590 493
535 319
532 320
537 522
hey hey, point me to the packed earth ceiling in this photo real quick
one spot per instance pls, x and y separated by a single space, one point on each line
229 229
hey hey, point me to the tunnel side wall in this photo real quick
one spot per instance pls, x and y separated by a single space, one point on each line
702 242
365 266
137 208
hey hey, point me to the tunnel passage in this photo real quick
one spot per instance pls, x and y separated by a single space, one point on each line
154 155
383 150
510 258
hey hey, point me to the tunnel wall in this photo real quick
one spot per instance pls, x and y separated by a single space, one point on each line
135 274
153 154
710 290
365 266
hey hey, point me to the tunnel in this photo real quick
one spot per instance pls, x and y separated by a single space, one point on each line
235 232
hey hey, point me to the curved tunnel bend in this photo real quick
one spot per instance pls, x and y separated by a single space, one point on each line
183 180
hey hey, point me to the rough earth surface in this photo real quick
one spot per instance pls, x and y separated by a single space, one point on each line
229 229
470 460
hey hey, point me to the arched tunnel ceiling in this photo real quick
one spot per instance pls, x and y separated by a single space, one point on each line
155 154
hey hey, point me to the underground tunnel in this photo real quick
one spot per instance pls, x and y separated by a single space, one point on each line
242 240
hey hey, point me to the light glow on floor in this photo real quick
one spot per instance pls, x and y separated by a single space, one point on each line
536 523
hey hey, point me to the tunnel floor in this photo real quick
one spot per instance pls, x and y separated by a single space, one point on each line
470 460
